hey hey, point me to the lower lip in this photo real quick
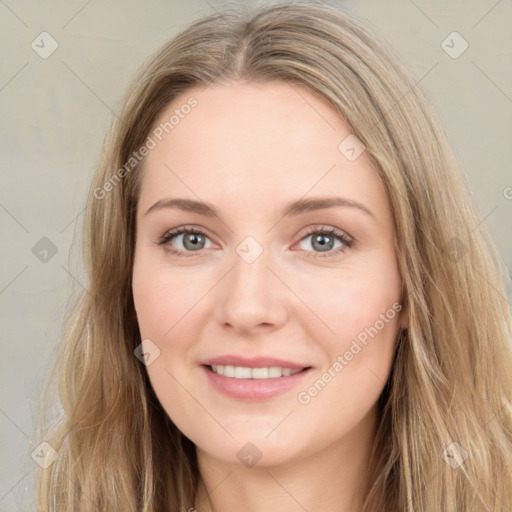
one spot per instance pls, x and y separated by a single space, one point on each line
253 389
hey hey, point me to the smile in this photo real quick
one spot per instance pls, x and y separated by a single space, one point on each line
253 384
244 372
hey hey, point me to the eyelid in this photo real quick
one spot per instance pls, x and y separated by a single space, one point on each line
318 228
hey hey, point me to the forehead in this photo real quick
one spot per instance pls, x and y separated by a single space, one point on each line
245 119
254 143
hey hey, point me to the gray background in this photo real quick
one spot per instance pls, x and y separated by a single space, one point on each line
55 113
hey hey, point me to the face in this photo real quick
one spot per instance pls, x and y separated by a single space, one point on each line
293 301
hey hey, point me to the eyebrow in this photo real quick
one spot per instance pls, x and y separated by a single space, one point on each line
293 209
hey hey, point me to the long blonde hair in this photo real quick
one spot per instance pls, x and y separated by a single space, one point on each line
444 439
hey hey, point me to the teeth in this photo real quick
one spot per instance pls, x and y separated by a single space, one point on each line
242 372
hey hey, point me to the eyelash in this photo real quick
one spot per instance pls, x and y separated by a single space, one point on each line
342 237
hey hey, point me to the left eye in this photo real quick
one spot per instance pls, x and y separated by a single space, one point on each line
324 238
323 241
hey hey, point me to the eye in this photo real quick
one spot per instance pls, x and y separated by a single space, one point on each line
192 239
323 240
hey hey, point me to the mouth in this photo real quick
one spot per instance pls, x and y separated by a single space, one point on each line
246 372
253 383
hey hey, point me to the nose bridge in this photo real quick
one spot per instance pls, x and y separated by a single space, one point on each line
252 295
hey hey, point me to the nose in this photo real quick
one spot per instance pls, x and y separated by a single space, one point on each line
252 297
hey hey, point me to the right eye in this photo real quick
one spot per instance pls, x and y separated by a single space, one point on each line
191 239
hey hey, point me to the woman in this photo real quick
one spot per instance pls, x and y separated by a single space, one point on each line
289 306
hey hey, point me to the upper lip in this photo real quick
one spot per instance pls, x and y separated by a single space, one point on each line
253 362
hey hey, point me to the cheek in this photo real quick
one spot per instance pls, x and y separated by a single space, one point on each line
353 299
164 305
169 313
162 298
361 310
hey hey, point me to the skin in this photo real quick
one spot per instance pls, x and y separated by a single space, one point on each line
249 150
